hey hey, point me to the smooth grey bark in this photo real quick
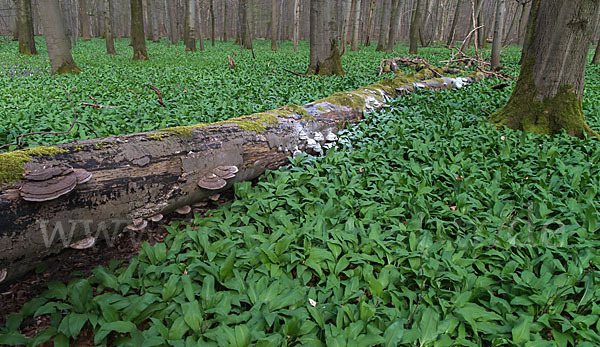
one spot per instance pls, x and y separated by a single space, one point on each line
415 27
596 58
547 97
108 35
369 23
245 35
394 25
211 10
171 9
57 42
225 13
274 22
346 13
199 31
325 58
296 24
84 19
384 24
356 25
497 41
190 23
150 22
138 39
25 27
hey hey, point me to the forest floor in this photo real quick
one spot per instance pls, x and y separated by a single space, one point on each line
425 225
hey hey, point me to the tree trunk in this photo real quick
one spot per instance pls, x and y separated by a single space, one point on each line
108 35
150 34
547 96
356 26
346 13
370 23
154 19
212 22
325 58
25 28
146 174
415 25
138 39
498 27
57 41
394 22
84 19
225 20
171 11
190 21
384 24
245 35
274 22
199 32
511 26
523 21
296 24
596 58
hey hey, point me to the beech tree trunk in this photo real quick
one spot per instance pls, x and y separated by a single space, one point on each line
346 13
596 58
325 58
149 29
384 24
199 32
212 22
498 27
245 36
108 35
274 22
548 93
57 41
25 28
138 40
296 24
171 10
225 20
190 31
84 19
369 23
356 27
394 23
415 26
139 176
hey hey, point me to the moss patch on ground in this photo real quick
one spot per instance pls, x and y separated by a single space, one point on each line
11 163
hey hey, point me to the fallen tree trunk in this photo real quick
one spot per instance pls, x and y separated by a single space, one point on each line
140 176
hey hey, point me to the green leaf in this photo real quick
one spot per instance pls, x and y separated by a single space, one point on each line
521 332
192 314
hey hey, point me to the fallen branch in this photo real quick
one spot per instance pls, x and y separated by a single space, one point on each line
160 101
95 104
293 72
132 92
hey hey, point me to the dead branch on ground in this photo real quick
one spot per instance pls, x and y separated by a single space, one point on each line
159 94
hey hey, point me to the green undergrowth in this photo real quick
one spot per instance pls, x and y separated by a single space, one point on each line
428 227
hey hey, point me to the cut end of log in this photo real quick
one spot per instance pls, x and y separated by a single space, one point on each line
84 244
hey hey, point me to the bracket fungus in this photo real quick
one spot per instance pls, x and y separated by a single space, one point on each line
138 224
214 197
84 244
50 183
212 182
226 172
319 137
331 137
3 274
156 218
184 210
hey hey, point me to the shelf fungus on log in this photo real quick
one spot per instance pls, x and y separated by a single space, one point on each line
156 218
184 210
84 244
3 274
138 176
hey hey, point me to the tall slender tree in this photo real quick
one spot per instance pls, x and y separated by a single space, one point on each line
57 42
394 25
346 14
356 26
245 35
384 24
84 19
296 24
171 10
212 22
190 22
108 35
274 22
498 28
138 40
596 58
369 23
25 28
547 98
325 58
415 27
225 5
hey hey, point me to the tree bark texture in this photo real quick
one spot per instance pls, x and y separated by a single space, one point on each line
139 176
190 23
596 58
25 28
415 26
384 24
274 22
225 8
346 13
84 20
245 35
108 35
356 25
212 22
497 41
138 40
325 58
57 42
296 24
171 9
369 23
548 93
394 24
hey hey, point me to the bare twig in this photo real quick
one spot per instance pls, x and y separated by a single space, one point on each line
159 94
132 92
293 72
95 104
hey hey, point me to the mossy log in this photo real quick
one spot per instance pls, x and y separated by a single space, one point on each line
139 176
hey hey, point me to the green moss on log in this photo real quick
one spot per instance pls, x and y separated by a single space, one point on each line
11 163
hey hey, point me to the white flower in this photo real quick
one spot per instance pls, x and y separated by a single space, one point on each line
312 302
